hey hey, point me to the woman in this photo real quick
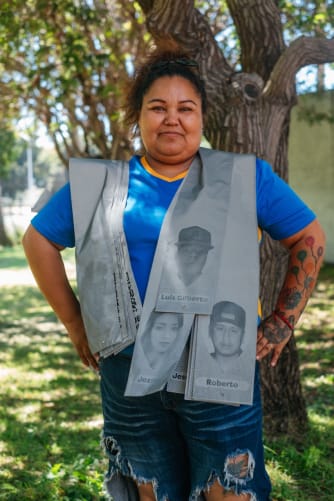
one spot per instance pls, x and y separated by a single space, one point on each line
171 448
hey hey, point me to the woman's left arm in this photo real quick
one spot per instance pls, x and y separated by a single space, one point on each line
306 249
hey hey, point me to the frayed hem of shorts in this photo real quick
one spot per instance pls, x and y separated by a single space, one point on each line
121 481
197 494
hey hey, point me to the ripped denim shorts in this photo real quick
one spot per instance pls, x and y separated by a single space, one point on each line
179 446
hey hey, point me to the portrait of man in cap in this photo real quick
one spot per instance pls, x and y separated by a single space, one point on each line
223 369
226 330
193 246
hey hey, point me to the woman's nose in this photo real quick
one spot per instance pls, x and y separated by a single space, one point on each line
171 117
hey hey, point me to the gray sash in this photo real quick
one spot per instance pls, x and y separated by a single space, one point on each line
178 290
229 379
109 298
216 203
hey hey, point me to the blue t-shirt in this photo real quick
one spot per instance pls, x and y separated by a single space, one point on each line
280 212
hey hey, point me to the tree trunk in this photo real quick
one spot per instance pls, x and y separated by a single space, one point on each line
5 241
284 407
249 111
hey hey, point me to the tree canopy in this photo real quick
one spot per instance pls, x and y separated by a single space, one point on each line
8 150
64 61
67 61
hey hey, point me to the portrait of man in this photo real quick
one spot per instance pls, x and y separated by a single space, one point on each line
193 246
224 373
226 330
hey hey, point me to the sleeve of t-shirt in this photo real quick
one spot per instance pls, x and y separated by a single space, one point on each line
281 212
55 220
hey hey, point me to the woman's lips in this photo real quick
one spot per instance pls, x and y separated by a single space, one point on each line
170 133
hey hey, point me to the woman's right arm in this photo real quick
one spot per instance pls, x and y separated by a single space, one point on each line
46 263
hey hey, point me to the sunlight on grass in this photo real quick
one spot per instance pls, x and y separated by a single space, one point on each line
7 461
304 472
284 483
321 422
37 309
321 380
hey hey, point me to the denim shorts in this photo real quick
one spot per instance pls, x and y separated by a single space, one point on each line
180 446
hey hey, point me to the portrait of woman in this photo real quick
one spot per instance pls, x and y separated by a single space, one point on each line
159 339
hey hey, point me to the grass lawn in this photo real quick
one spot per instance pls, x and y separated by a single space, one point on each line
50 414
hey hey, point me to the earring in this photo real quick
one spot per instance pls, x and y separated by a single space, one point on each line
135 131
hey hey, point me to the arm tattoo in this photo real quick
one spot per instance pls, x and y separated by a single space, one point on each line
302 272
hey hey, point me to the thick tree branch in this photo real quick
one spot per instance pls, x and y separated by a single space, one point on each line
259 28
146 5
179 20
302 52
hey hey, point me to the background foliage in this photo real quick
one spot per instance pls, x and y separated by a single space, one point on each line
67 61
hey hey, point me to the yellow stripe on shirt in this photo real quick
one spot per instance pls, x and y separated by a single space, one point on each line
154 173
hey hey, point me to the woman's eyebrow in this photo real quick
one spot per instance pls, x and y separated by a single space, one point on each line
159 100
188 101
156 99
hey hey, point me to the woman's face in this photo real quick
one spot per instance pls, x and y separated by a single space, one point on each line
171 120
164 332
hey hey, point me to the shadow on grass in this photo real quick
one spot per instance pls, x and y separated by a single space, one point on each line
50 416
301 469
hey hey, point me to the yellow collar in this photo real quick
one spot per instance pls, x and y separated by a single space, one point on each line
154 173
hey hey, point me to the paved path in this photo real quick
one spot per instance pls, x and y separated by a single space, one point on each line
17 218
9 278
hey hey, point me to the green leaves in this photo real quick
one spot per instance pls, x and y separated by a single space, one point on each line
61 57
8 150
75 53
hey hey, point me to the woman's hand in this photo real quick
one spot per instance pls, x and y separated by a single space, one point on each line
77 334
272 335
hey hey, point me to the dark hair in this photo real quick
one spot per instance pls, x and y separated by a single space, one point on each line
159 64
156 314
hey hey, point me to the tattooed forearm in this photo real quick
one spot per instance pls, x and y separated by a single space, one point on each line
290 318
290 298
306 256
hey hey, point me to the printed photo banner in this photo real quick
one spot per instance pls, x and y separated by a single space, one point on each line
222 358
178 309
193 236
109 298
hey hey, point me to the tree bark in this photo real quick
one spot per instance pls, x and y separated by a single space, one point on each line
4 238
249 111
284 406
